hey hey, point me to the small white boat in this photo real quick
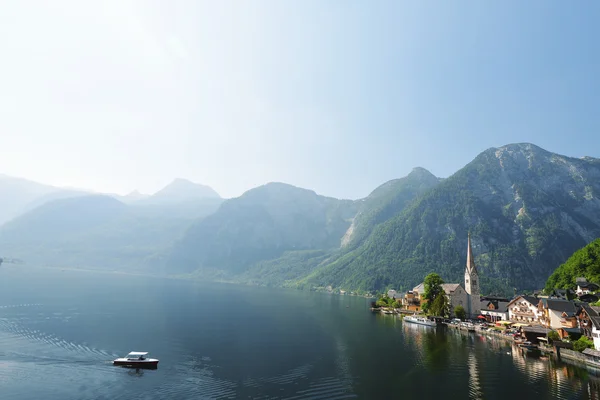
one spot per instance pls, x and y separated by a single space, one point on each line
137 359
419 320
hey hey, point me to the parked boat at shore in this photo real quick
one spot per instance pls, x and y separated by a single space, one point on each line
419 320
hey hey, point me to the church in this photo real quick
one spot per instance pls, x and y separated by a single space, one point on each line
467 296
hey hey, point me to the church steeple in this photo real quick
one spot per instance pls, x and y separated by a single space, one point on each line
470 259
471 275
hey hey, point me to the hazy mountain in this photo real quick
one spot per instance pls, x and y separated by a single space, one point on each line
97 231
132 197
262 224
181 190
16 193
527 210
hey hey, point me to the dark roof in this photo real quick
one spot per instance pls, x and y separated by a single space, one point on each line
589 298
595 321
536 329
589 310
502 306
561 305
591 352
562 293
571 330
533 300
581 279
494 298
588 285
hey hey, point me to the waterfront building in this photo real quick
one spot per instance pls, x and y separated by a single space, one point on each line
524 309
557 313
412 301
494 310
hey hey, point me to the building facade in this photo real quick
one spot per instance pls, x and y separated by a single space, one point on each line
524 309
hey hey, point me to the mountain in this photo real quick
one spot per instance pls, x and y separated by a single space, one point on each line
584 262
179 191
132 197
527 210
97 231
277 234
386 201
263 224
16 193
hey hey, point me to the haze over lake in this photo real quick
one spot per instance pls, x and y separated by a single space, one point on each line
59 330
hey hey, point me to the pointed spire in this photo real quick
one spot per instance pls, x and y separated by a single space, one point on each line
470 259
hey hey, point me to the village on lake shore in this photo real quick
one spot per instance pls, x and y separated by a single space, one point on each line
563 322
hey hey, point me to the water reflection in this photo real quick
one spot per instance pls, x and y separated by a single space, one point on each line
432 344
474 384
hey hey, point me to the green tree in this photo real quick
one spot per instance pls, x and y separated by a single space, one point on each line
433 288
553 337
583 343
459 312
397 304
440 305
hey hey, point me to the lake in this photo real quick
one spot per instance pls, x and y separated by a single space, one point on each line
59 330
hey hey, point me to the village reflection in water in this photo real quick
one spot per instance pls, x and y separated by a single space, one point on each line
491 363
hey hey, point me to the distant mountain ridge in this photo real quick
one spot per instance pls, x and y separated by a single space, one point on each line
18 195
181 190
261 224
527 210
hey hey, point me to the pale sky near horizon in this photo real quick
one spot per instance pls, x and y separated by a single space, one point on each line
336 96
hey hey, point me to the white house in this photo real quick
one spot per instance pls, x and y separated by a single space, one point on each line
585 287
524 309
496 310
596 332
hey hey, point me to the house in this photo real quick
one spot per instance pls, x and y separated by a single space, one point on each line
564 294
523 309
412 301
584 317
558 313
494 310
596 332
589 323
585 287
533 333
589 298
394 295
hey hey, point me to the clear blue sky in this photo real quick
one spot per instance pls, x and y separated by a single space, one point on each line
335 96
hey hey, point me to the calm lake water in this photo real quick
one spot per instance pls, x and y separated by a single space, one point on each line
60 329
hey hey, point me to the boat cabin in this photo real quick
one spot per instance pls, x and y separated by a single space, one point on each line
137 355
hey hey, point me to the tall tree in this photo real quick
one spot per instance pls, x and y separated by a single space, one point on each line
433 289
440 306
459 312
